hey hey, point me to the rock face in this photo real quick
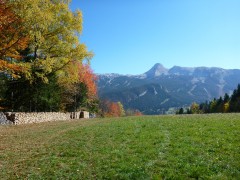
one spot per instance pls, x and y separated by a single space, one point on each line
37 117
157 70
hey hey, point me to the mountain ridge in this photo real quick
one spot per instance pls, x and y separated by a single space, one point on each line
165 71
180 86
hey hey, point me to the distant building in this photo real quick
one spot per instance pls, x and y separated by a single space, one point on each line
84 114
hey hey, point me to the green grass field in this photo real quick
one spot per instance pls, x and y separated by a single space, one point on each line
147 147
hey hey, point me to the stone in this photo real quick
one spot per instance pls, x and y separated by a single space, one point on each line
4 120
37 117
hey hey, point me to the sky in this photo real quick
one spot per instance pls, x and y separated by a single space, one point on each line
130 36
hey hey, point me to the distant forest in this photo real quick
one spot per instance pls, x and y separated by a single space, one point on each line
226 104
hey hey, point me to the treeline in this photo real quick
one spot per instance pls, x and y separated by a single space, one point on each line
43 64
115 109
226 104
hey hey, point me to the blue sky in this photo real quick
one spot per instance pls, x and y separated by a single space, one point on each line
130 36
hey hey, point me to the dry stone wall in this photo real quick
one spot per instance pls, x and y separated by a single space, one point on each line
26 118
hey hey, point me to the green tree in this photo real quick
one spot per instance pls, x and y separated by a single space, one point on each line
180 111
219 105
2 92
235 100
226 98
226 107
204 107
122 111
213 105
53 50
195 108
24 96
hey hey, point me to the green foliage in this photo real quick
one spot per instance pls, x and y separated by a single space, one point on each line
53 35
80 100
2 91
147 147
195 108
180 111
226 104
28 97
122 111
50 57
213 105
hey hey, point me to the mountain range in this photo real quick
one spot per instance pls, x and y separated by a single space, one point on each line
160 90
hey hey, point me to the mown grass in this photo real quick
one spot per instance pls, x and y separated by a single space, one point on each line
148 147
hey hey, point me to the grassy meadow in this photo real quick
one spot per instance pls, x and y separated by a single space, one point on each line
147 147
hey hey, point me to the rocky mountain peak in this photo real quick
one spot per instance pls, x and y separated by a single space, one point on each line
157 70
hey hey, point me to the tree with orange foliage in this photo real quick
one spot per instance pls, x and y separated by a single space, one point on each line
12 40
80 89
87 88
131 112
114 110
111 109
87 77
41 39
138 113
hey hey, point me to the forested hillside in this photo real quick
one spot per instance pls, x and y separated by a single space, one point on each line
160 89
226 104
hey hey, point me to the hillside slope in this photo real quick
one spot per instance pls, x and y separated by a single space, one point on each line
159 89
